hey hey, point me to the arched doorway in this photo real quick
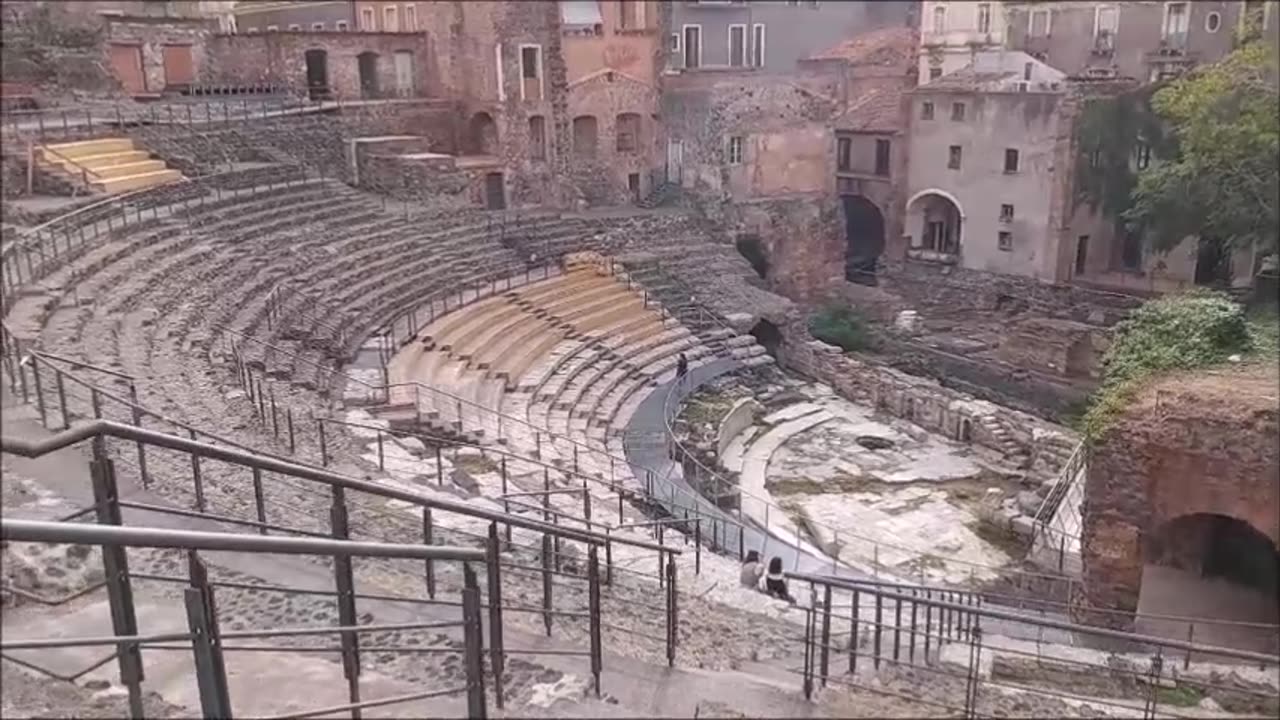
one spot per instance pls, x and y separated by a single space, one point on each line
768 335
1211 566
1213 263
750 247
317 61
864 238
936 222
368 64
482 135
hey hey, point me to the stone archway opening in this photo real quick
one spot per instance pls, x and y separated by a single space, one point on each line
482 135
935 222
751 247
1210 566
864 238
317 62
769 336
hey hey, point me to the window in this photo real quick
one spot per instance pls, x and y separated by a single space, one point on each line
1212 22
844 153
317 26
692 46
757 45
1010 160
366 19
1005 241
1106 21
935 73
675 42
537 137
1039 22
390 19
1006 213
953 157
295 27
984 18
1027 68
957 112
735 150
410 18
585 136
737 45
1142 156
273 28
1175 21
1082 253
939 20
627 133
926 110
882 158
530 72
341 25
1095 158
627 15
528 62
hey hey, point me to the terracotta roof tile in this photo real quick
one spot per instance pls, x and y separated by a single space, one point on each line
892 46
879 109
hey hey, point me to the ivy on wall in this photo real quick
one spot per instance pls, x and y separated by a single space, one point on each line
1111 134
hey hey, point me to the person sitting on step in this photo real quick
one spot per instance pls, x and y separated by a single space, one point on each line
775 583
752 570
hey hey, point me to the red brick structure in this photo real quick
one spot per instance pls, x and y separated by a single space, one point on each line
1189 445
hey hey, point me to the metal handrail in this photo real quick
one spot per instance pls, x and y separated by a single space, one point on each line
84 171
94 534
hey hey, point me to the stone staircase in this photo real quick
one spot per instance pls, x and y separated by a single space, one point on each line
662 194
106 165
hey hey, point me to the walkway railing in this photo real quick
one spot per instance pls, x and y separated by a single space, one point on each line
206 639
965 648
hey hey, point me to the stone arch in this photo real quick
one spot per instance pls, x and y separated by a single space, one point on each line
482 135
935 219
768 335
864 238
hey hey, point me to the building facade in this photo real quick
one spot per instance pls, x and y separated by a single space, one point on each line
770 36
314 15
952 32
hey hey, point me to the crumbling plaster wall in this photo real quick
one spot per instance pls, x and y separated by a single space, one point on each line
280 58
783 188
1186 444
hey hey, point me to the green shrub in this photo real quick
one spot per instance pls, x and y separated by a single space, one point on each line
1179 332
842 326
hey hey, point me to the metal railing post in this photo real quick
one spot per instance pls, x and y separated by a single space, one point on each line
473 644
853 635
259 502
593 603
62 398
206 641
826 633
493 572
428 540
195 475
35 374
546 582
115 565
673 622
345 581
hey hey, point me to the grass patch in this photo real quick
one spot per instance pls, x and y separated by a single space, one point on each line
842 326
1180 696
1180 332
475 464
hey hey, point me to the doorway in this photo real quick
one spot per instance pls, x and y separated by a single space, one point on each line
317 74
1082 254
1213 263
675 161
368 66
633 185
179 72
494 194
864 238
126 65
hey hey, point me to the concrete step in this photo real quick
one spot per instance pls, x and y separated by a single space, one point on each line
134 182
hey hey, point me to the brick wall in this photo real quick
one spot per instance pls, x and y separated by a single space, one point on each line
153 34
280 58
1186 445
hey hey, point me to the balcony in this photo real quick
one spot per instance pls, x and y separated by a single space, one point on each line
1104 44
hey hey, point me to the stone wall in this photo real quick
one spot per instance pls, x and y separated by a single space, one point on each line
280 58
932 406
1187 444
152 35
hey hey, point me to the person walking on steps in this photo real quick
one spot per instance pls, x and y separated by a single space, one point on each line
775 583
752 570
682 368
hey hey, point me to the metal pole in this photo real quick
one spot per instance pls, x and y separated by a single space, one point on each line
258 500
428 540
494 574
345 580
826 632
546 582
206 642
195 475
473 644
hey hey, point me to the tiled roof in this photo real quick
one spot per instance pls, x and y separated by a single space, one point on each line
893 46
879 109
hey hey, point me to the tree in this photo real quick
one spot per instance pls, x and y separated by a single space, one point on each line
1223 180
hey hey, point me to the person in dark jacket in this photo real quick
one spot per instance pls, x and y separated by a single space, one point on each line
775 583
682 367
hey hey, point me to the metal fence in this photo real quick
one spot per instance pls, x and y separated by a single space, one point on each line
206 639
961 647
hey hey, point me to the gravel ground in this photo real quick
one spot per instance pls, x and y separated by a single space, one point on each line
28 695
